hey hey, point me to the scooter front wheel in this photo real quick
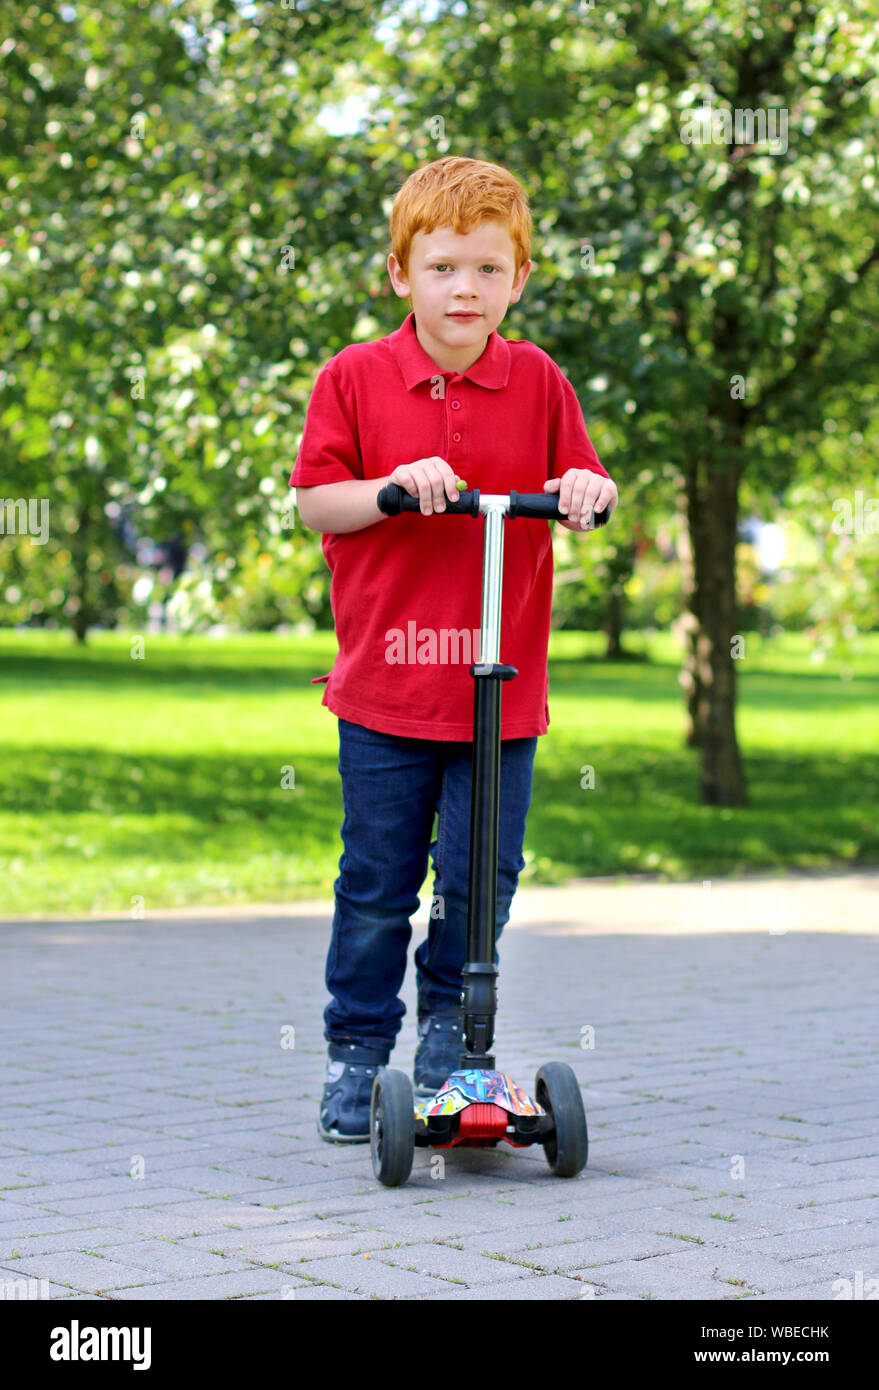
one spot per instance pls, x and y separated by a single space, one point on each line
558 1091
392 1127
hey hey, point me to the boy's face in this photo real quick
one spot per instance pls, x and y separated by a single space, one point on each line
450 274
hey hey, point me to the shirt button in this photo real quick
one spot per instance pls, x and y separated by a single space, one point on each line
456 405
457 438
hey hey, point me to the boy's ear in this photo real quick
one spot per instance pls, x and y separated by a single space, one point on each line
399 281
520 281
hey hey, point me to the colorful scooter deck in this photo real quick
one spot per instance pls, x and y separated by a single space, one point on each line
473 1087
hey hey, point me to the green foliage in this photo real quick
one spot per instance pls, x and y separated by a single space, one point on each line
161 778
271 583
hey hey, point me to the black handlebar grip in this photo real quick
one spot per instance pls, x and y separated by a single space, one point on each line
546 505
393 499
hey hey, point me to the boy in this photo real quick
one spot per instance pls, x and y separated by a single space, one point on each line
442 399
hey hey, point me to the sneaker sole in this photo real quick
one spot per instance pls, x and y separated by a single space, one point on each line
334 1137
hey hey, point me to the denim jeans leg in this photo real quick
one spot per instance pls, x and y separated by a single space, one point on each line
390 787
440 958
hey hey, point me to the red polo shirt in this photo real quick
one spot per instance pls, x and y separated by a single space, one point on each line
410 586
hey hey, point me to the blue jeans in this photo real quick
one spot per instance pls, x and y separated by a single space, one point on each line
391 788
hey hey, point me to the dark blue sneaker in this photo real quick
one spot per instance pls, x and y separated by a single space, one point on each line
439 1049
344 1109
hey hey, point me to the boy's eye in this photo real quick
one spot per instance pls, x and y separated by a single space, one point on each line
445 266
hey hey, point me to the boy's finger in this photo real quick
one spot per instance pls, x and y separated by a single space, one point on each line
603 498
586 500
447 485
435 473
569 493
581 507
407 481
425 492
437 489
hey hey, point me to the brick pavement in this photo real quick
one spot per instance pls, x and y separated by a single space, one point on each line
158 1141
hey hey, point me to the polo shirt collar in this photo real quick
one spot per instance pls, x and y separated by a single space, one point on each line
492 369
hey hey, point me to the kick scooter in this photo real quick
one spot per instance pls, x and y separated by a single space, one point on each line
477 1106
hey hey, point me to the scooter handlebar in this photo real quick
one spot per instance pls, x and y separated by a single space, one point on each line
393 499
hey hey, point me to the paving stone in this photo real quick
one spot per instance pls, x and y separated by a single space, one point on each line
647 1280
14 1285
131 1197
533 1289
444 1261
120 1186
301 1251
590 1257
236 1284
265 1236
12 1212
860 1211
33 1171
171 1259
39 1223
771 1218
79 1270
823 1243
802 1293
367 1274
90 1238
722 1265
200 1215
311 1293
82 1297
533 1235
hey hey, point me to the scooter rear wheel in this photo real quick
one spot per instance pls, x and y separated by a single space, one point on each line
392 1127
557 1090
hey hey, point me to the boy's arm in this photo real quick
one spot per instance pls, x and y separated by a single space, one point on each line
576 473
340 507
351 506
331 492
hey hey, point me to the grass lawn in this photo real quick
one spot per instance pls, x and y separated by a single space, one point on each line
160 779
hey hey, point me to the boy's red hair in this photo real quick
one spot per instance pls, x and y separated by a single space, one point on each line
460 193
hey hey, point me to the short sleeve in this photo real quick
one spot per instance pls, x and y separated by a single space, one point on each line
328 451
569 443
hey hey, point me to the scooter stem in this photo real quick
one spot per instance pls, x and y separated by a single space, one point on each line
479 995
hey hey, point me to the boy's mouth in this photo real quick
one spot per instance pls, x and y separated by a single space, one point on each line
464 314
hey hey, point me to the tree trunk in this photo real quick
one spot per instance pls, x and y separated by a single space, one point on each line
613 625
690 678
712 507
620 568
81 620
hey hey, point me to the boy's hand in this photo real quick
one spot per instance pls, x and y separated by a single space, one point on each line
431 480
582 492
